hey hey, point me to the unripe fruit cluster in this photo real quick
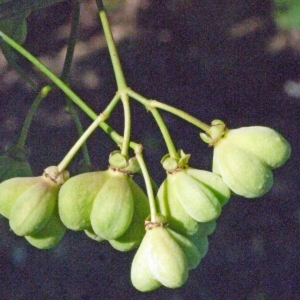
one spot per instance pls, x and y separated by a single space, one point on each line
109 205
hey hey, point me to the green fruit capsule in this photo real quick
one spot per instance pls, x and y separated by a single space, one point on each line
76 198
113 206
34 207
245 156
198 200
11 190
159 255
136 230
50 235
170 206
243 172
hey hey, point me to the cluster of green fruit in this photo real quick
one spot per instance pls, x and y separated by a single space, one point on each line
109 205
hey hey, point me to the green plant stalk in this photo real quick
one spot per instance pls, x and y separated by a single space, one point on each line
165 133
149 104
118 139
66 160
119 75
127 123
102 117
147 179
42 94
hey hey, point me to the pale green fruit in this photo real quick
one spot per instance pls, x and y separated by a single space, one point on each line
243 172
113 206
160 255
50 235
136 230
190 250
198 200
213 182
76 198
244 158
91 234
169 206
34 207
265 143
11 190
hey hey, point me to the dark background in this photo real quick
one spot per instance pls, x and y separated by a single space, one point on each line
213 59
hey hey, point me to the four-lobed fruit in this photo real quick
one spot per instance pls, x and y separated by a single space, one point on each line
245 157
34 207
189 196
30 204
160 260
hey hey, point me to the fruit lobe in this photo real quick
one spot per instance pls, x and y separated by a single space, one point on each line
76 198
33 208
113 206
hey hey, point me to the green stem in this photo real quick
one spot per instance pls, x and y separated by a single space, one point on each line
66 160
42 94
165 133
75 98
102 117
149 104
127 124
119 75
149 189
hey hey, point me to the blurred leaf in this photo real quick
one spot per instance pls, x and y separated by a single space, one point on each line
10 8
287 13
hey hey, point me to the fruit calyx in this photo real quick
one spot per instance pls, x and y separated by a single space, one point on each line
173 165
52 173
118 162
158 221
217 131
